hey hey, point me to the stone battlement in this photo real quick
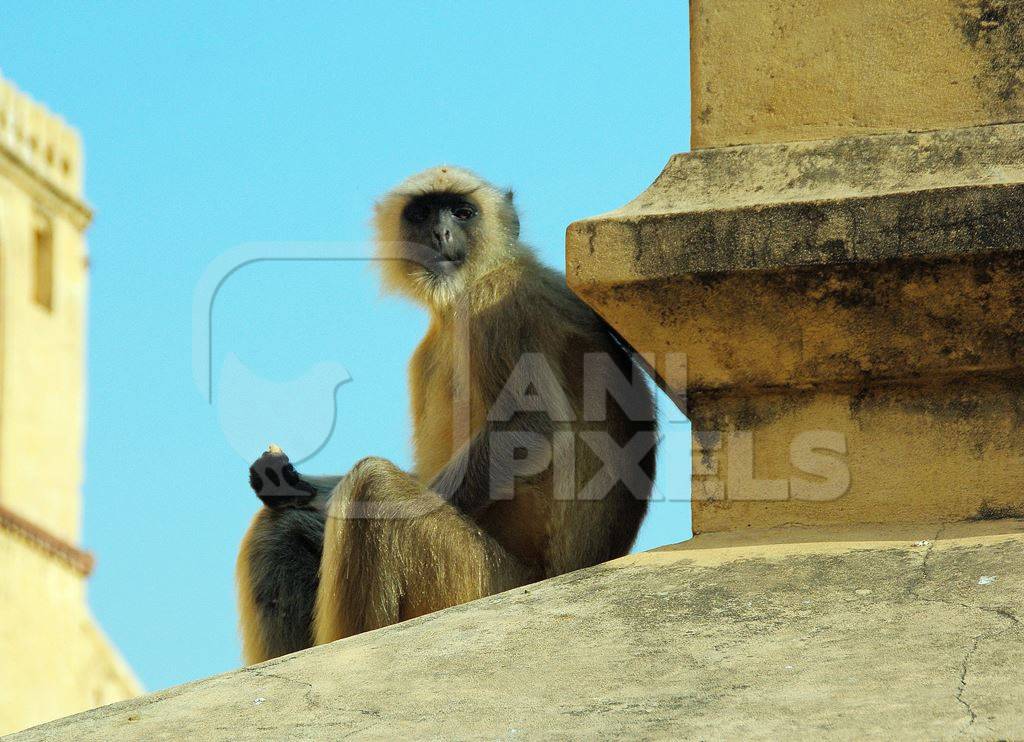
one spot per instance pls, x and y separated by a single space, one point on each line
40 140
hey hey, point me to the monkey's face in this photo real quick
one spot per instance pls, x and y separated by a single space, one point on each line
446 223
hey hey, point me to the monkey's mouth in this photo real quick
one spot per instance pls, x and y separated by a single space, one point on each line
428 261
443 265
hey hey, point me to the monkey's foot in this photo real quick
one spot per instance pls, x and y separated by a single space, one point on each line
276 483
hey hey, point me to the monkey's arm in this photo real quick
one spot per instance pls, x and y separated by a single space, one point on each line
486 468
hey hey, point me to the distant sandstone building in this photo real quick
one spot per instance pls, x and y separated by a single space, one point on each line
54 659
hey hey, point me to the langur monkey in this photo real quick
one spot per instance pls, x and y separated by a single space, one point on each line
533 440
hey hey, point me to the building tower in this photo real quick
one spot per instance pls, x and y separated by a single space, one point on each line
54 659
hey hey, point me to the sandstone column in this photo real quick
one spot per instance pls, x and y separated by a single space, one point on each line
840 259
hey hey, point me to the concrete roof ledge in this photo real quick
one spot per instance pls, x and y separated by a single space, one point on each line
909 632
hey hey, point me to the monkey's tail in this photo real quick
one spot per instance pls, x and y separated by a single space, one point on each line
643 363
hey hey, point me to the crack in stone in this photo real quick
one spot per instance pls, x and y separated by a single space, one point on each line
962 682
926 573
1014 622
359 730
310 691
1006 613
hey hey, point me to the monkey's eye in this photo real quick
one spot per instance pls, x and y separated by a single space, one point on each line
416 213
464 212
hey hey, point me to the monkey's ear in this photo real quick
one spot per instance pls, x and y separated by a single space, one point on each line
513 220
509 195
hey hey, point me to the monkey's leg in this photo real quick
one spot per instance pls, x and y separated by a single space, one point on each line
394 550
278 573
279 560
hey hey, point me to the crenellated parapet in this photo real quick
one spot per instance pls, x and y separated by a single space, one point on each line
40 141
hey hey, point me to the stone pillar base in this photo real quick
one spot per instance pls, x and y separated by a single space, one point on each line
941 451
852 315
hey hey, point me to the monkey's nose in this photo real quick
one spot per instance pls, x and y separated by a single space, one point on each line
442 236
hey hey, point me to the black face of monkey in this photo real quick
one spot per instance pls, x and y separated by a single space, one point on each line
444 222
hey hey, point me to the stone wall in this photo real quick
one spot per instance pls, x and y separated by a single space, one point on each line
54 660
788 70
42 394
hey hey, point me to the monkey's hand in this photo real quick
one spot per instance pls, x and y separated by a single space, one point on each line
276 483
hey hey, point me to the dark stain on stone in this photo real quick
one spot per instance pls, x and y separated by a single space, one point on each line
995 28
858 399
708 441
982 274
949 221
996 402
638 239
955 406
890 319
591 231
747 416
739 410
836 249
997 512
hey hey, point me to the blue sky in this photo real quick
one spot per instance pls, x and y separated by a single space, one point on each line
213 125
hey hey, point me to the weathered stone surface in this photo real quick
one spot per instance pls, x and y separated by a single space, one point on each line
941 451
905 632
865 287
761 207
789 70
